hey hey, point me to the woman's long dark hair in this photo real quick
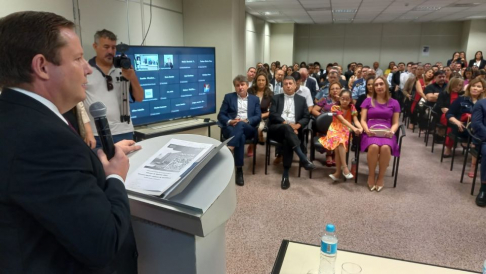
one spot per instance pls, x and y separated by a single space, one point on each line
267 93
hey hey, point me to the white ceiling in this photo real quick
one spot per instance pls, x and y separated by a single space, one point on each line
367 11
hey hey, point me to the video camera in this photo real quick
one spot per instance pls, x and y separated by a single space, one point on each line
122 60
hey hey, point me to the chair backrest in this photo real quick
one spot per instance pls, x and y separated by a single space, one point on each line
323 122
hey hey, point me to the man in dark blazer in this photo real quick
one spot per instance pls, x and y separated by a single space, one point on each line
288 117
310 83
277 82
238 117
63 209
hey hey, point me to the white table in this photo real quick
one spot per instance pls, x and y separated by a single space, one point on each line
298 258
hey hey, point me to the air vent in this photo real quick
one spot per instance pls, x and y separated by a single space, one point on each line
466 5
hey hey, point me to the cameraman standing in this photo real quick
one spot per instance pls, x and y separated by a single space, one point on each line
105 85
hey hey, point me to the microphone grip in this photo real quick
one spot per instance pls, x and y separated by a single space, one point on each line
104 133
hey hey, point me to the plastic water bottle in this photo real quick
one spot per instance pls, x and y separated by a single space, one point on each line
484 267
328 250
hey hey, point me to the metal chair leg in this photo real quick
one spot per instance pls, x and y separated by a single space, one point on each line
443 149
396 172
475 174
394 163
254 157
464 166
453 154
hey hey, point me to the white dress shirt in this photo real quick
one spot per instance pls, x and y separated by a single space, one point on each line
378 72
288 113
305 92
477 63
242 107
403 78
277 89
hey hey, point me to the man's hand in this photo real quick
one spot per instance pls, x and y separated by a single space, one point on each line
234 122
129 74
295 127
460 126
128 146
118 165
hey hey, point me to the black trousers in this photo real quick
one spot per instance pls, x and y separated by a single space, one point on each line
284 134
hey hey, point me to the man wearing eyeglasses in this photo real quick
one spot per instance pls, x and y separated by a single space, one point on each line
104 85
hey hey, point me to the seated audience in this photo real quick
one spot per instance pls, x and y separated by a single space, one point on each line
359 87
452 92
277 81
379 113
478 60
308 82
337 137
303 91
238 116
357 75
478 125
369 94
432 91
459 113
250 75
289 115
261 90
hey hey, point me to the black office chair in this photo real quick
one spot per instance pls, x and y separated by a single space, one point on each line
476 152
401 132
319 125
270 142
253 141
456 139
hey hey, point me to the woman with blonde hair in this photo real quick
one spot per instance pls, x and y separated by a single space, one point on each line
459 114
379 119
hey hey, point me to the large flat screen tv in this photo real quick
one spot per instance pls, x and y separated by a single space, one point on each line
178 82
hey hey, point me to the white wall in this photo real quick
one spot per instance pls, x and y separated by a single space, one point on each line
476 38
257 38
219 24
61 7
282 43
366 43
130 24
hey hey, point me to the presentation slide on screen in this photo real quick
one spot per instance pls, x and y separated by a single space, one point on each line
177 82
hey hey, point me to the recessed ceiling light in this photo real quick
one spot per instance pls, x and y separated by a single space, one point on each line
345 11
267 13
426 8
476 17
343 20
249 1
318 9
466 5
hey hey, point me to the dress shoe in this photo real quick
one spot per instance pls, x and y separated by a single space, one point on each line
348 176
277 160
379 188
239 178
372 187
334 179
481 199
285 183
308 165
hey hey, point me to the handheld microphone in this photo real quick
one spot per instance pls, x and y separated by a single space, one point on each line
98 111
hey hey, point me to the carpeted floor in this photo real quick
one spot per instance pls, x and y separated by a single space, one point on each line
430 217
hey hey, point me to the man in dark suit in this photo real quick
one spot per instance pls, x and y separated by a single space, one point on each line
288 117
63 209
277 82
310 83
169 64
238 117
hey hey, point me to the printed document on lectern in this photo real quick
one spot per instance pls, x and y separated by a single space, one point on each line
167 166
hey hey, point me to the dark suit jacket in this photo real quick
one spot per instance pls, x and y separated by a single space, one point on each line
478 119
229 110
311 85
277 108
481 65
58 212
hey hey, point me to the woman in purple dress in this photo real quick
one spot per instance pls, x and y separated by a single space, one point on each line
379 112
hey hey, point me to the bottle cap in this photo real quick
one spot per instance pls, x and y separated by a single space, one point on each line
330 228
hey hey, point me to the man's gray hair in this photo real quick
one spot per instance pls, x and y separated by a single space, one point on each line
240 78
290 78
104 33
